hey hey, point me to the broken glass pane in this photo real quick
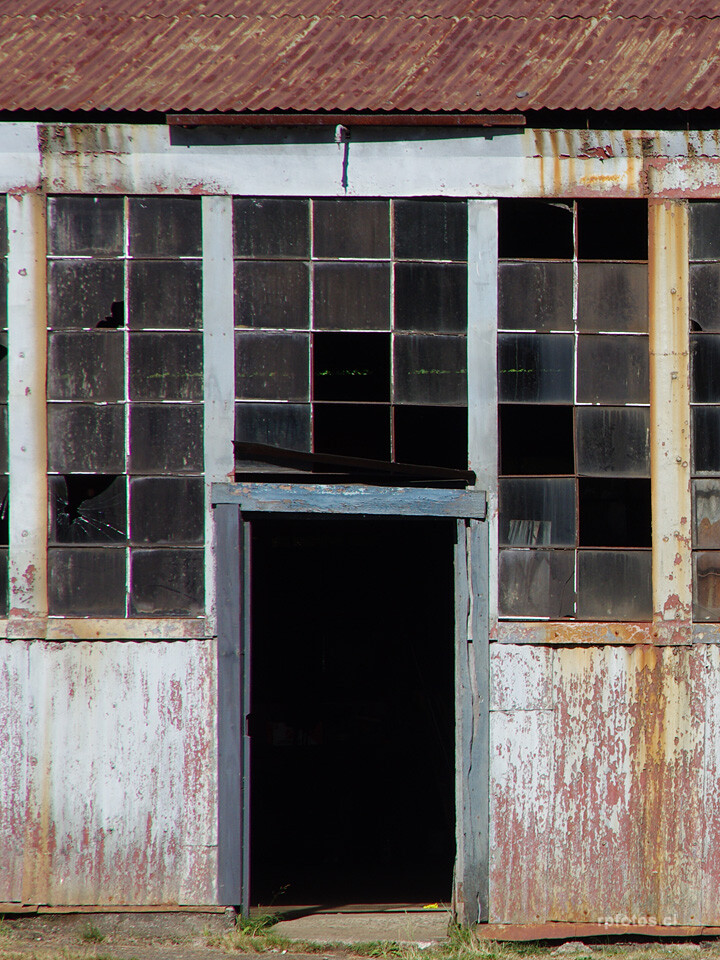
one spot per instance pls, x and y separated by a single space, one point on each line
167 510
81 293
706 513
614 585
431 297
536 368
85 226
706 585
271 227
431 229
166 366
87 508
613 441
272 294
704 228
165 226
613 369
167 582
597 227
535 230
352 430
704 368
272 366
86 438
285 425
537 512
613 297
537 583
165 294
86 581
351 296
351 228
86 366
351 366
706 439
430 369
535 296
613 512
705 297
431 436
536 440
166 438
4 519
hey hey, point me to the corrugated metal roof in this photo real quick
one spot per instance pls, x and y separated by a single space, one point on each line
309 55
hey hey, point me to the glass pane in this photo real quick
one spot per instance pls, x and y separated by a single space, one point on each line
613 441
165 226
84 294
706 513
271 227
167 510
430 369
85 226
613 369
535 229
84 438
706 586
3 368
705 297
431 229
352 430
610 229
431 297
3 439
4 522
536 440
3 294
706 439
87 508
614 585
535 296
704 229
167 582
431 436
272 366
272 294
705 368
613 512
3 582
351 296
537 512
166 366
164 295
86 582
537 583
613 297
536 368
351 228
284 425
351 366
166 438
3 226
86 366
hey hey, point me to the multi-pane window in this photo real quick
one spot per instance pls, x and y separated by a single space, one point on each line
351 321
574 410
125 412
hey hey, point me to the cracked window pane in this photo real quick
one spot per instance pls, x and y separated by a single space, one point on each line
535 296
271 227
431 229
166 438
85 438
167 510
351 228
86 366
82 294
85 226
430 370
167 582
166 366
351 296
86 582
614 585
431 297
272 293
537 583
272 366
164 295
165 226
87 508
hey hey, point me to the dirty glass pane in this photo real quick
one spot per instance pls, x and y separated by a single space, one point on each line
351 296
431 297
536 368
704 228
3 438
613 441
85 226
269 227
167 510
3 294
705 297
535 229
165 226
613 297
272 366
704 368
3 368
430 369
166 438
164 295
87 508
431 436
537 512
352 430
706 439
86 366
166 366
706 585
706 513
272 294
86 581
82 293
284 425
614 585
537 583
431 229
351 228
536 440
613 512
167 582
351 366
613 369
611 229
86 438
3 583
4 521
535 296
3 226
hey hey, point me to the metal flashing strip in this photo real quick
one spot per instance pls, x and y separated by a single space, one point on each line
346 119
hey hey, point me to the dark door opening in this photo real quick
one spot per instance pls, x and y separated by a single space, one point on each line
352 710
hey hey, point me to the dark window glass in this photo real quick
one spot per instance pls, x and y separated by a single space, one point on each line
82 293
430 369
351 228
536 439
613 369
431 436
164 295
272 366
3 439
613 512
537 583
537 512
272 294
85 226
351 366
285 425
270 227
87 508
85 438
536 368
3 295
431 297
706 439
166 366
613 441
704 228
3 227
535 296
3 368
352 430
167 510
706 513
86 366
166 438
3 582
167 582
705 297
431 229
614 585
706 585
705 368
86 582
4 523
612 229
613 297
535 230
351 296
165 227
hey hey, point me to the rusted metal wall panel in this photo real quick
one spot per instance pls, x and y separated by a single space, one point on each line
521 678
13 784
710 862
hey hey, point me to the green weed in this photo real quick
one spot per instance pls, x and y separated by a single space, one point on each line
91 934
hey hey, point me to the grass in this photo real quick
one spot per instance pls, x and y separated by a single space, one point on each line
91 934
5 929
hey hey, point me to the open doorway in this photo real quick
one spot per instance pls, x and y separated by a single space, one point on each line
352 710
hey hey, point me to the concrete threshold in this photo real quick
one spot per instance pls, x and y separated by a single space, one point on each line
414 925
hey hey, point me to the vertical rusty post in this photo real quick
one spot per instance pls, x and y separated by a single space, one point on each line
670 420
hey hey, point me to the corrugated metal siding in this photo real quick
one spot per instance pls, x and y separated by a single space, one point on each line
13 785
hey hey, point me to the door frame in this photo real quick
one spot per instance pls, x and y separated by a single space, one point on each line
234 505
